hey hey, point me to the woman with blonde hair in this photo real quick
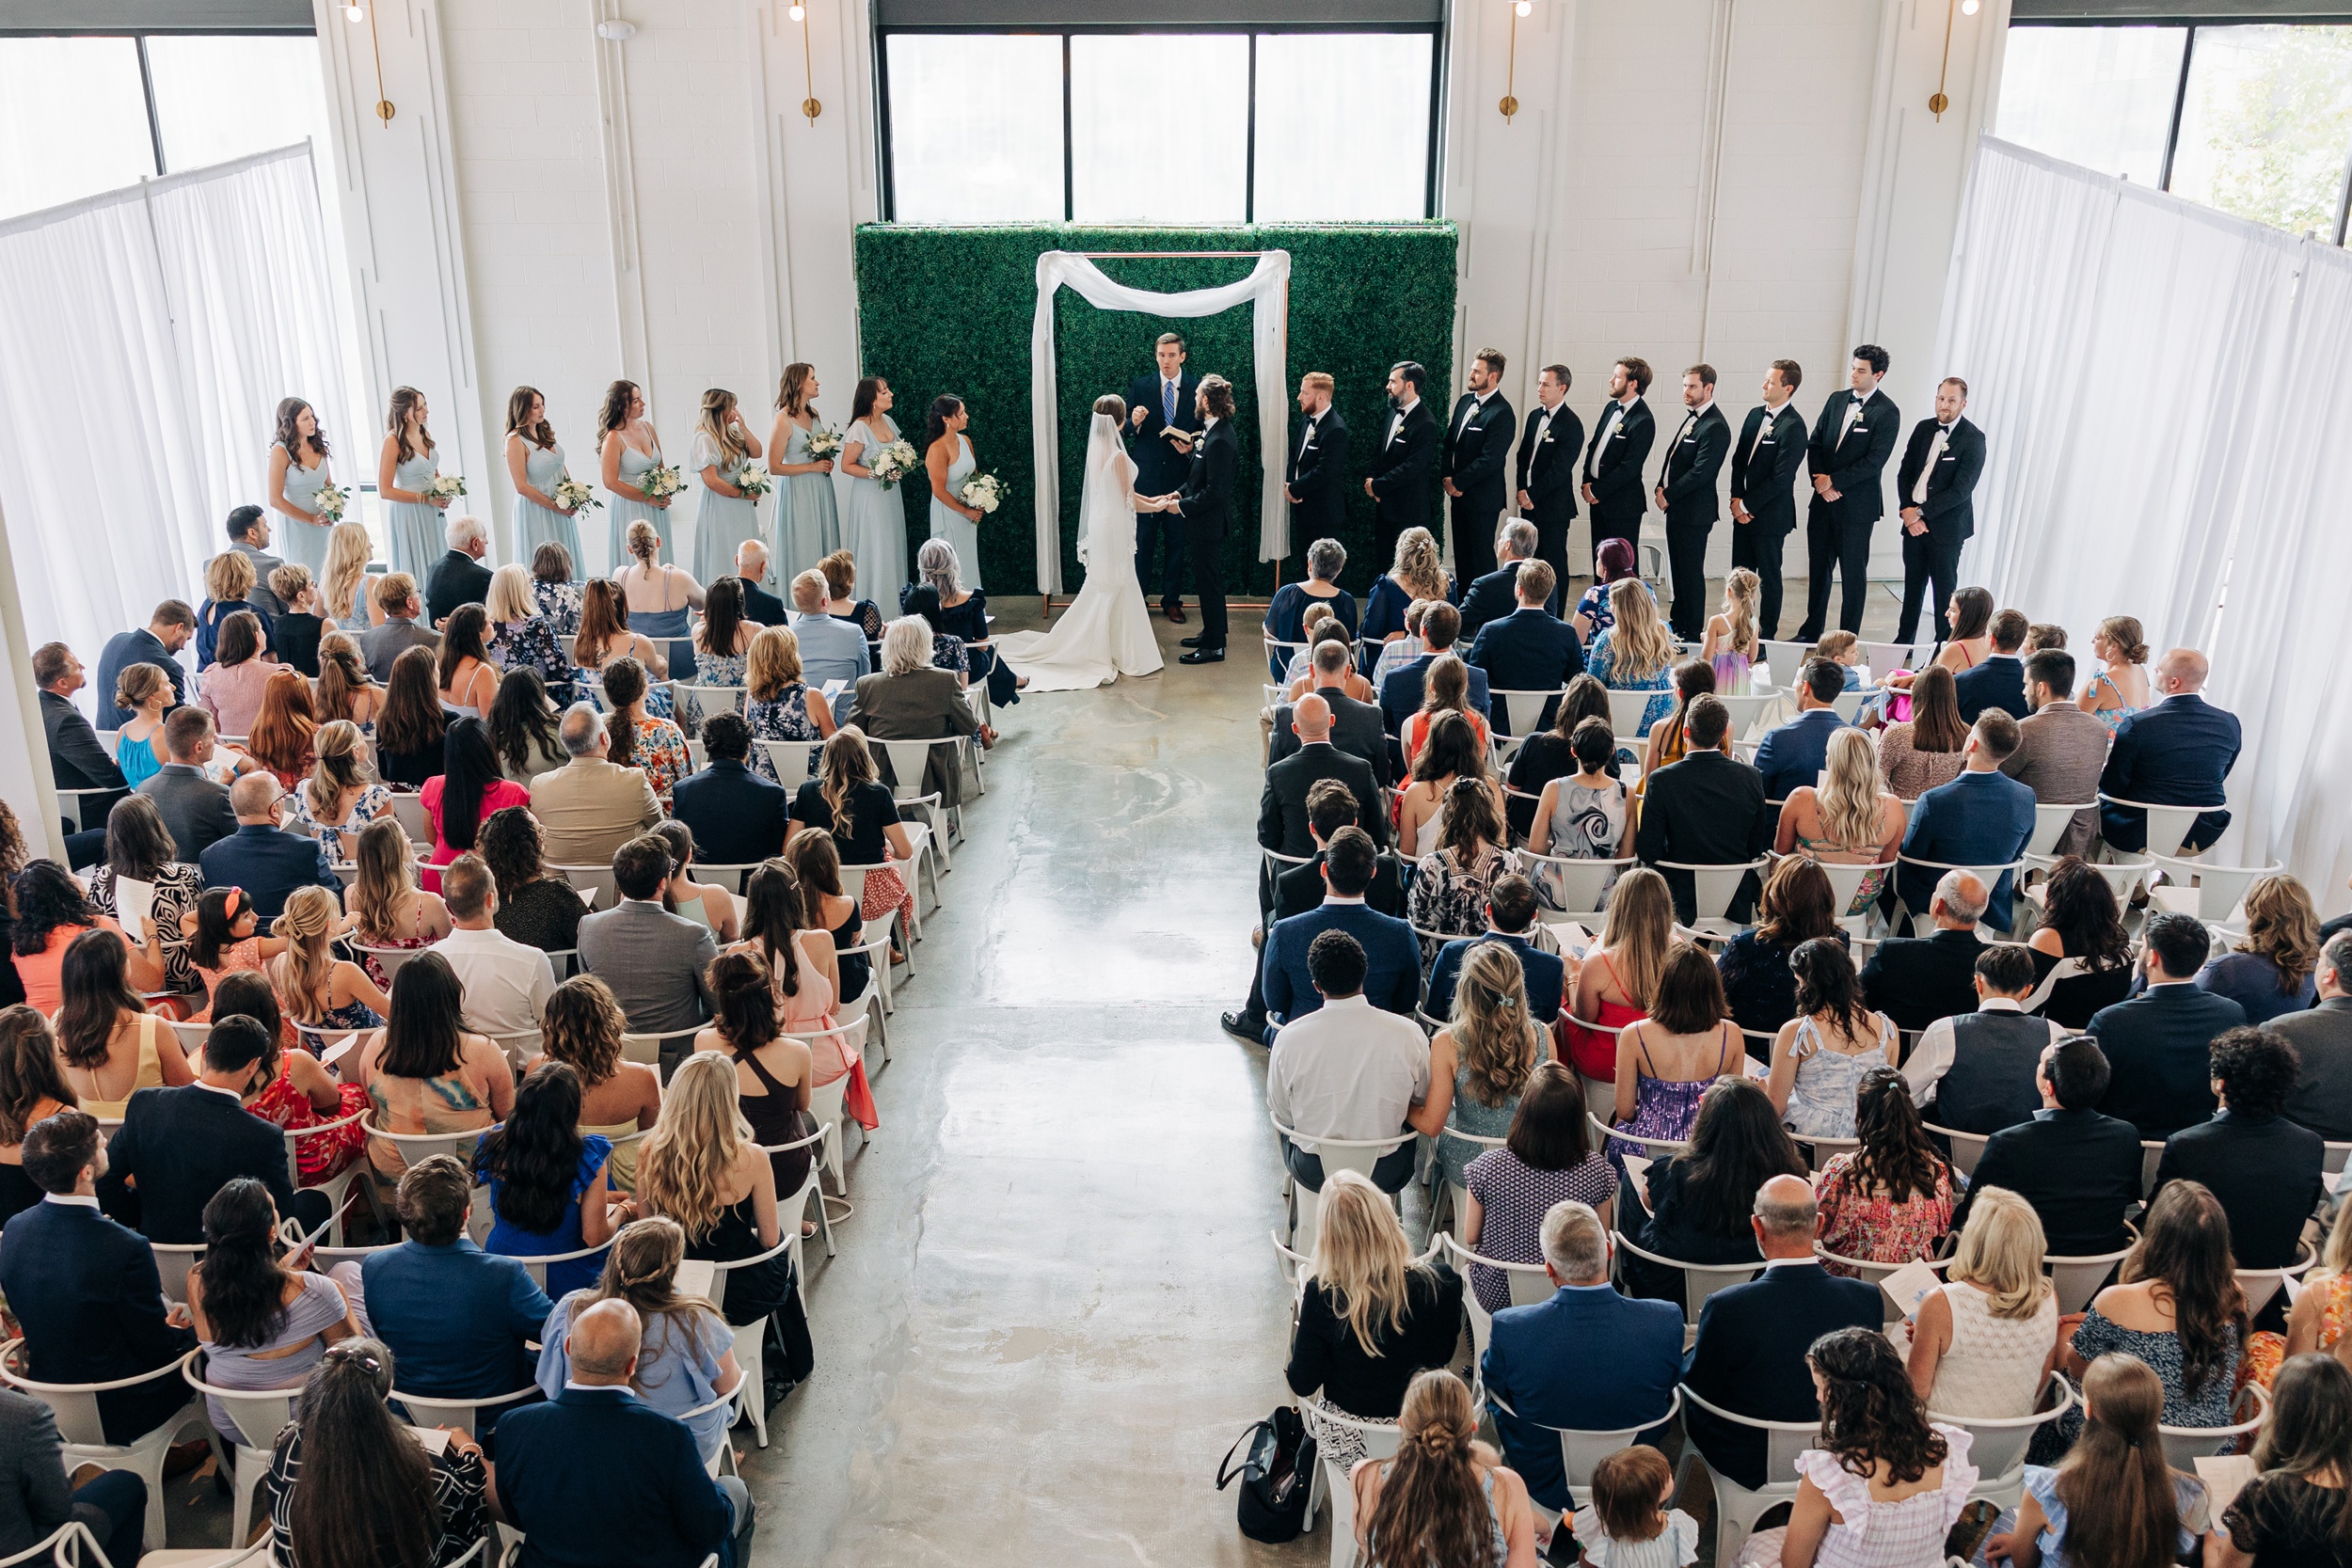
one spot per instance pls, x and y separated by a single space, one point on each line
1918 753
779 704
1369 1317
388 907
2272 970
2119 690
229 580
1731 646
344 689
1416 573
1618 978
139 747
1453 882
521 637
657 597
339 800
1446 1498
605 637
535 467
280 737
1636 652
344 578
408 462
1983 1343
1847 820
318 989
1479 1061
724 451
581 1026
627 448
807 525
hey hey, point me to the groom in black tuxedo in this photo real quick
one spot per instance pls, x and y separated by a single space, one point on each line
1207 504
1399 481
1477 445
1162 401
1317 476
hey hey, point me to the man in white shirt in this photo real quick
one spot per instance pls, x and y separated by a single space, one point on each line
1348 1070
832 649
504 984
1978 1068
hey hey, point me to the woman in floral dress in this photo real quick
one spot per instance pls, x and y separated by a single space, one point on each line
779 704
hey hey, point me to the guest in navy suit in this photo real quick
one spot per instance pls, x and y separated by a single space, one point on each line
1531 649
1587 1358
1495 595
1983 817
2001 680
737 816
2177 752
182 1145
456 1317
1401 693
1749 1354
595 1475
85 1290
1510 912
266 862
1392 953
1793 755
2159 1044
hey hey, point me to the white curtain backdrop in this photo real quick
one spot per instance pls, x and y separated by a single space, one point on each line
1266 288
146 337
2162 393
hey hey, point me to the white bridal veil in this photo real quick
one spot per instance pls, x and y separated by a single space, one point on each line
1103 516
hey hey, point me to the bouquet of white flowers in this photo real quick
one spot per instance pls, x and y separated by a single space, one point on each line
445 488
661 481
983 493
824 444
574 494
331 501
894 461
753 480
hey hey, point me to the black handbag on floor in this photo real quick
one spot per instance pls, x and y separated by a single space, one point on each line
1276 1475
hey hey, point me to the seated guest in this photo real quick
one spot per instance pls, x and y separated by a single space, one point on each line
1530 649
76 760
553 590
760 607
464 677
2061 750
292 1089
1442 1485
1415 575
1977 1070
1479 1061
1843 649
520 637
231 689
1982 817
556 1484
1345 1069
582 1029
589 808
1370 1317
2322 1037
409 738
832 649
1550 755
157 644
2289 1512
1982 1343
1797 906
83 1289
471 788
294 630
910 699
318 988
548 1192
736 816
2114 1491
1456 878
2079 1169
1282 805
263 1325
260 858
1391 978
1699 1202
1535 1380
2269 970
1490 597
639 736
1821 1056
1917 980
1581 814
523 727
2000 680
815 863
2177 1308
1325 559
1618 978
1751 1354
1330 806
652 959
396 596
455 1316
779 704
52 914
1666 1061
1706 810
179 1146
504 984
339 800
1453 753
1793 755
1355 725
2157 1044
1635 652
2082 921
535 906
32 1089
847 799
604 639
1889 1201
841 600
2317 1320
1401 690
1548 1158
232 586
1445 692
2177 752
426 1072
1629 1511
2263 1170
1510 916
40 1499
459 578
344 689
108 1045
141 746
283 735
774 1073
1926 750
194 808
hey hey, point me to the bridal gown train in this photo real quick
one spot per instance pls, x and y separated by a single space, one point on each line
1107 631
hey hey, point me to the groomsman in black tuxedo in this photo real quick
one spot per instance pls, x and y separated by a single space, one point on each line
1160 401
1851 441
1477 445
1686 494
1547 469
1935 487
1207 505
1400 468
1613 459
1317 476
1763 486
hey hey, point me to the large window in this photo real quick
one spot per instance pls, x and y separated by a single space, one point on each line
2253 119
1178 127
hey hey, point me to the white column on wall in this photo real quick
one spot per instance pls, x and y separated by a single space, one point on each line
819 183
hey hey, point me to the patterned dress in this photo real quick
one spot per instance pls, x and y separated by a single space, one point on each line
1867 1224
660 748
331 836
560 603
1513 1198
530 646
1821 1101
2110 717
287 1108
2266 1350
177 888
2208 1405
1449 898
784 717
1868 1533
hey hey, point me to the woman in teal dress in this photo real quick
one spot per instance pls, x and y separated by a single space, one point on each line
297 473
626 448
533 465
875 530
413 524
723 448
807 527
949 460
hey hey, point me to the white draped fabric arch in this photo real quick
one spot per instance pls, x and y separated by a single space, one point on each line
1264 288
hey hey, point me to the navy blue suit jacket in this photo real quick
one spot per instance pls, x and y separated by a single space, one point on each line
268 864
596 1476
2160 1069
1749 1356
1793 755
736 816
455 1318
124 649
1546 974
1401 693
1527 650
2176 753
1976 819
1587 1358
1998 682
1489 598
86 1293
1392 955
184 1145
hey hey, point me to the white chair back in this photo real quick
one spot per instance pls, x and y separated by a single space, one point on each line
1885 658
2168 827
1652 1148
1699 1280
461 1413
173 1261
1625 712
2259 1285
408 811
730 879
1747 709
1572 886
2050 823
1522 712
1713 887
1967 1147
2078 1279
1528 1283
1998 1452
598 879
793 760
1845 882
2218 892
388 960
258 1414
2185 1445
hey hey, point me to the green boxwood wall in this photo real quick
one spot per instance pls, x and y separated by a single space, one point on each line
949 310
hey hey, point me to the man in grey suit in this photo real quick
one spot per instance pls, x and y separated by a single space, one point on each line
195 809
2061 748
2321 1036
36 1497
654 961
249 535
1355 726
400 632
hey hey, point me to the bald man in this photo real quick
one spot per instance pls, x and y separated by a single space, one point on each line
267 863
1283 810
2176 752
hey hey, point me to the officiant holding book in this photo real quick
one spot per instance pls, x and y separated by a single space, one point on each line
1163 406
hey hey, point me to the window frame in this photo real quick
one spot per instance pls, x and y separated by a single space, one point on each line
886 150
138 37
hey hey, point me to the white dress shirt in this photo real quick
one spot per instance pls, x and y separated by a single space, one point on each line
1609 423
1347 1070
1477 402
1932 1058
504 984
1927 471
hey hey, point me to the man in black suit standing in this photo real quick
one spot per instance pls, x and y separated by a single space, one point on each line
1763 486
1547 469
1477 445
1316 479
1398 483
1613 457
1686 494
1935 487
2078 1168
1207 504
1167 400
182 1145
1706 810
1851 441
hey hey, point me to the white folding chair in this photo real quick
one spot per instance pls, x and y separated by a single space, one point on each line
2259 1285
706 701
537 1266
1787 661
337 1187
1748 709
1967 1147
1336 1154
388 960
1528 1282
425 1411
1820 1152
1876 1274
2218 892
595 879
82 805
827 1108
659 1051
2076 1281
408 1148
1737 1508
1626 709
1998 1450
1699 1280
520 1045
1885 658
1331 1484
2168 827
1713 888
1581 1450
259 1417
1845 885
751 1338
793 760
730 879
2185 1445
1522 712
1575 890
75 1407
2332 1159
408 811
2050 823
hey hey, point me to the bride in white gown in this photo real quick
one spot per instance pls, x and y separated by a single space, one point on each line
1107 631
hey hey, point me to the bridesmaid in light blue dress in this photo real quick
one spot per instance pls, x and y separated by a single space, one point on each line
723 445
414 527
875 529
626 448
297 473
533 464
950 462
807 527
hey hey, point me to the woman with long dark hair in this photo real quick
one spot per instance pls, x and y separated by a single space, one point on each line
232 688
640 737
1669 739
1548 1158
848 799
523 728
409 735
1821 1056
535 467
1891 1200
1700 1200
874 526
467 677
722 641
547 1182
351 1487
31 1091
605 636
427 1072
2082 921
1665 1062
51 913
297 473
263 1325
139 846
627 448
772 1071
472 784
1452 753
948 461
283 727
1454 878
815 863
1551 754
409 463
2112 1502
1446 1499
110 1045
1797 906
537 906
2177 1306
2298 1508
292 1089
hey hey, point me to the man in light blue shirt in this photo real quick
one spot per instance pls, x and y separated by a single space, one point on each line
832 649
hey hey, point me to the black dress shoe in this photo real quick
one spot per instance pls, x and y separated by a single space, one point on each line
1237 1025
1204 656
1192 642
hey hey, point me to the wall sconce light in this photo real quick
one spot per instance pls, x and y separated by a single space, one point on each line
1510 104
616 32
1939 102
809 106
356 14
